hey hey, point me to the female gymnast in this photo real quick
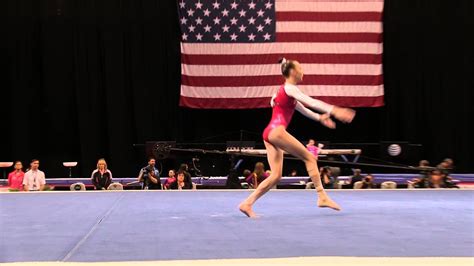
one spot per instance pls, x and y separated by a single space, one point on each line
277 139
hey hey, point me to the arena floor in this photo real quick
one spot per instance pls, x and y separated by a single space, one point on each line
395 227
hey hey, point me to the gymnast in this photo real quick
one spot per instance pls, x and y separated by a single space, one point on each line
277 139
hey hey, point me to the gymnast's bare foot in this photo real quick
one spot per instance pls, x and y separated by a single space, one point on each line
247 210
326 202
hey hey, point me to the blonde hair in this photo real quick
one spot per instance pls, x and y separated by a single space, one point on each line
102 160
259 169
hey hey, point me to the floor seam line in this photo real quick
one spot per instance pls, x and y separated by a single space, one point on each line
94 227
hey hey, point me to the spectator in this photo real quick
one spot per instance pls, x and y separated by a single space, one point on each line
170 180
258 175
15 178
313 148
247 174
181 182
34 179
356 177
294 173
446 167
150 176
326 178
422 181
368 182
437 179
185 169
101 177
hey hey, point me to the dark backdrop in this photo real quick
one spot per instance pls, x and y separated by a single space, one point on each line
84 79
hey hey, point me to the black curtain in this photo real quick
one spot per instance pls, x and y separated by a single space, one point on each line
84 79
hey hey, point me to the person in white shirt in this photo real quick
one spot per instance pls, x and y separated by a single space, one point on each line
34 179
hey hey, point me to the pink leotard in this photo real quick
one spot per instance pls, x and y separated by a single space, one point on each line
283 109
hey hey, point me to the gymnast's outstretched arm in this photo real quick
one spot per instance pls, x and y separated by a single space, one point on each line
324 119
295 92
343 114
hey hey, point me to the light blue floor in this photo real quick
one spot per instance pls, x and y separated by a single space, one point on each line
126 226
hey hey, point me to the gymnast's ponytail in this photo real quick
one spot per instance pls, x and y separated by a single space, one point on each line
286 66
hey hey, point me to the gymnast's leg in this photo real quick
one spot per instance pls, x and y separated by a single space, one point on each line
280 138
275 159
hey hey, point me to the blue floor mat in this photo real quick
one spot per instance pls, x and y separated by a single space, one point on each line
136 226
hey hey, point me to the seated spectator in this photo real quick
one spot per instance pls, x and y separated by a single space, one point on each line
294 173
437 179
150 176
185 169
246 173
257 176
170 180
101 177
181 182
356 177
446 167
423 179
15 178
34 179
368 182
326 179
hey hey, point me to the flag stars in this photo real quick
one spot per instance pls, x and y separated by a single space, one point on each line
217 37
199 21
191 28
182 4
267 36
225 12
207 28
207 12
252 5
234 5
216 5
242 28
233 21
260 28
268 20
198 5
242 13
225 28
251 37
183 20
184 37
260 13
217 20
233 37
199 37
251 21
268 5
190 12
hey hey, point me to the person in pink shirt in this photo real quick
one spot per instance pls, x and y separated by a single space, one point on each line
313 149
15 178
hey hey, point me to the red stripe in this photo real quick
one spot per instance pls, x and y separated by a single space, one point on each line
328 16
328 37
248 103
273 58
233 81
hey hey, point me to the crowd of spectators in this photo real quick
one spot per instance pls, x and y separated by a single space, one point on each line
33 179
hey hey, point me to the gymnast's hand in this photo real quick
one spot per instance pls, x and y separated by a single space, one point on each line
344 115
326 121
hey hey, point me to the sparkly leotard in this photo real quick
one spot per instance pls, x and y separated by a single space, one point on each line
283 109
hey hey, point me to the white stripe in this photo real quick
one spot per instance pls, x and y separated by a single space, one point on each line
313 6
280 48
311 26
268 91
274 69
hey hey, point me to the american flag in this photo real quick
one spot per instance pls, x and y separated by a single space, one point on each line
230 49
